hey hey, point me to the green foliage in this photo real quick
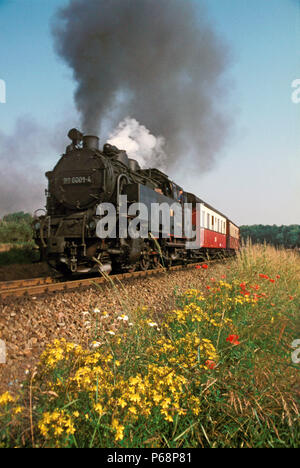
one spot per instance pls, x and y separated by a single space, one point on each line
20 255
16 228
279 236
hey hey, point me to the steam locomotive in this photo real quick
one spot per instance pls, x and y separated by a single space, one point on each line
86 177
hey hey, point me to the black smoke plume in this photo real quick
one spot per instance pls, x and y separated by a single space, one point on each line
157 61
25 155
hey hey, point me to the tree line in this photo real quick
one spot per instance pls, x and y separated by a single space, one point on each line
17 228
279 236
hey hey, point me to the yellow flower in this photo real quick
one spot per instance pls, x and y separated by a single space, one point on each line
99 409
18 410
6 398
58 431
132 410
122 403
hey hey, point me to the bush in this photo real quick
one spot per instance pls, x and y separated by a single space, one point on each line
16 228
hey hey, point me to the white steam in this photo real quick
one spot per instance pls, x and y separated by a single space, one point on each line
139 144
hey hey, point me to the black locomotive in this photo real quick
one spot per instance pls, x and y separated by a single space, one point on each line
84 178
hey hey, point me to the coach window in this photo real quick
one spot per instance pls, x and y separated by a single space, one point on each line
208 224
213 223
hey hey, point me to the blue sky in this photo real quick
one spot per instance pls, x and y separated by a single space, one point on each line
257 178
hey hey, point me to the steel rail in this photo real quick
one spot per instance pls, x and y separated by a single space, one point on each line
38 286
15 284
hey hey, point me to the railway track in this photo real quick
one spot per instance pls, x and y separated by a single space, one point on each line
38 286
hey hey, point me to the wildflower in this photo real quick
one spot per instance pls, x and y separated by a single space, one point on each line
198 267
152 324
6 398
118 428
271 280
18 410
261 275
99 409
291 298
123 317
112 333
95 344
132 410
233 339
96 311
205 266
278 276
245 293
210 364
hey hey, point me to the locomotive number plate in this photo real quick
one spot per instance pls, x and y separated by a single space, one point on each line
77 180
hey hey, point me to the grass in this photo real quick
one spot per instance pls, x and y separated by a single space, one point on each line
20 254
215 372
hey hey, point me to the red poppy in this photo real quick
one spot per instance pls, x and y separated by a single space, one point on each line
223 276
233 339
272 280
243 285
291 298
212 279
263 276
198 267
210 364
245 293
205 266
278 276
208 287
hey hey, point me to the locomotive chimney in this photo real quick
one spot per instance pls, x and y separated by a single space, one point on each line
91 142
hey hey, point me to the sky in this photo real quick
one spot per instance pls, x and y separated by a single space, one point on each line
256 179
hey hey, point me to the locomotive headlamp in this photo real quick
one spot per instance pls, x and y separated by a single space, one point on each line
37 226
92 225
